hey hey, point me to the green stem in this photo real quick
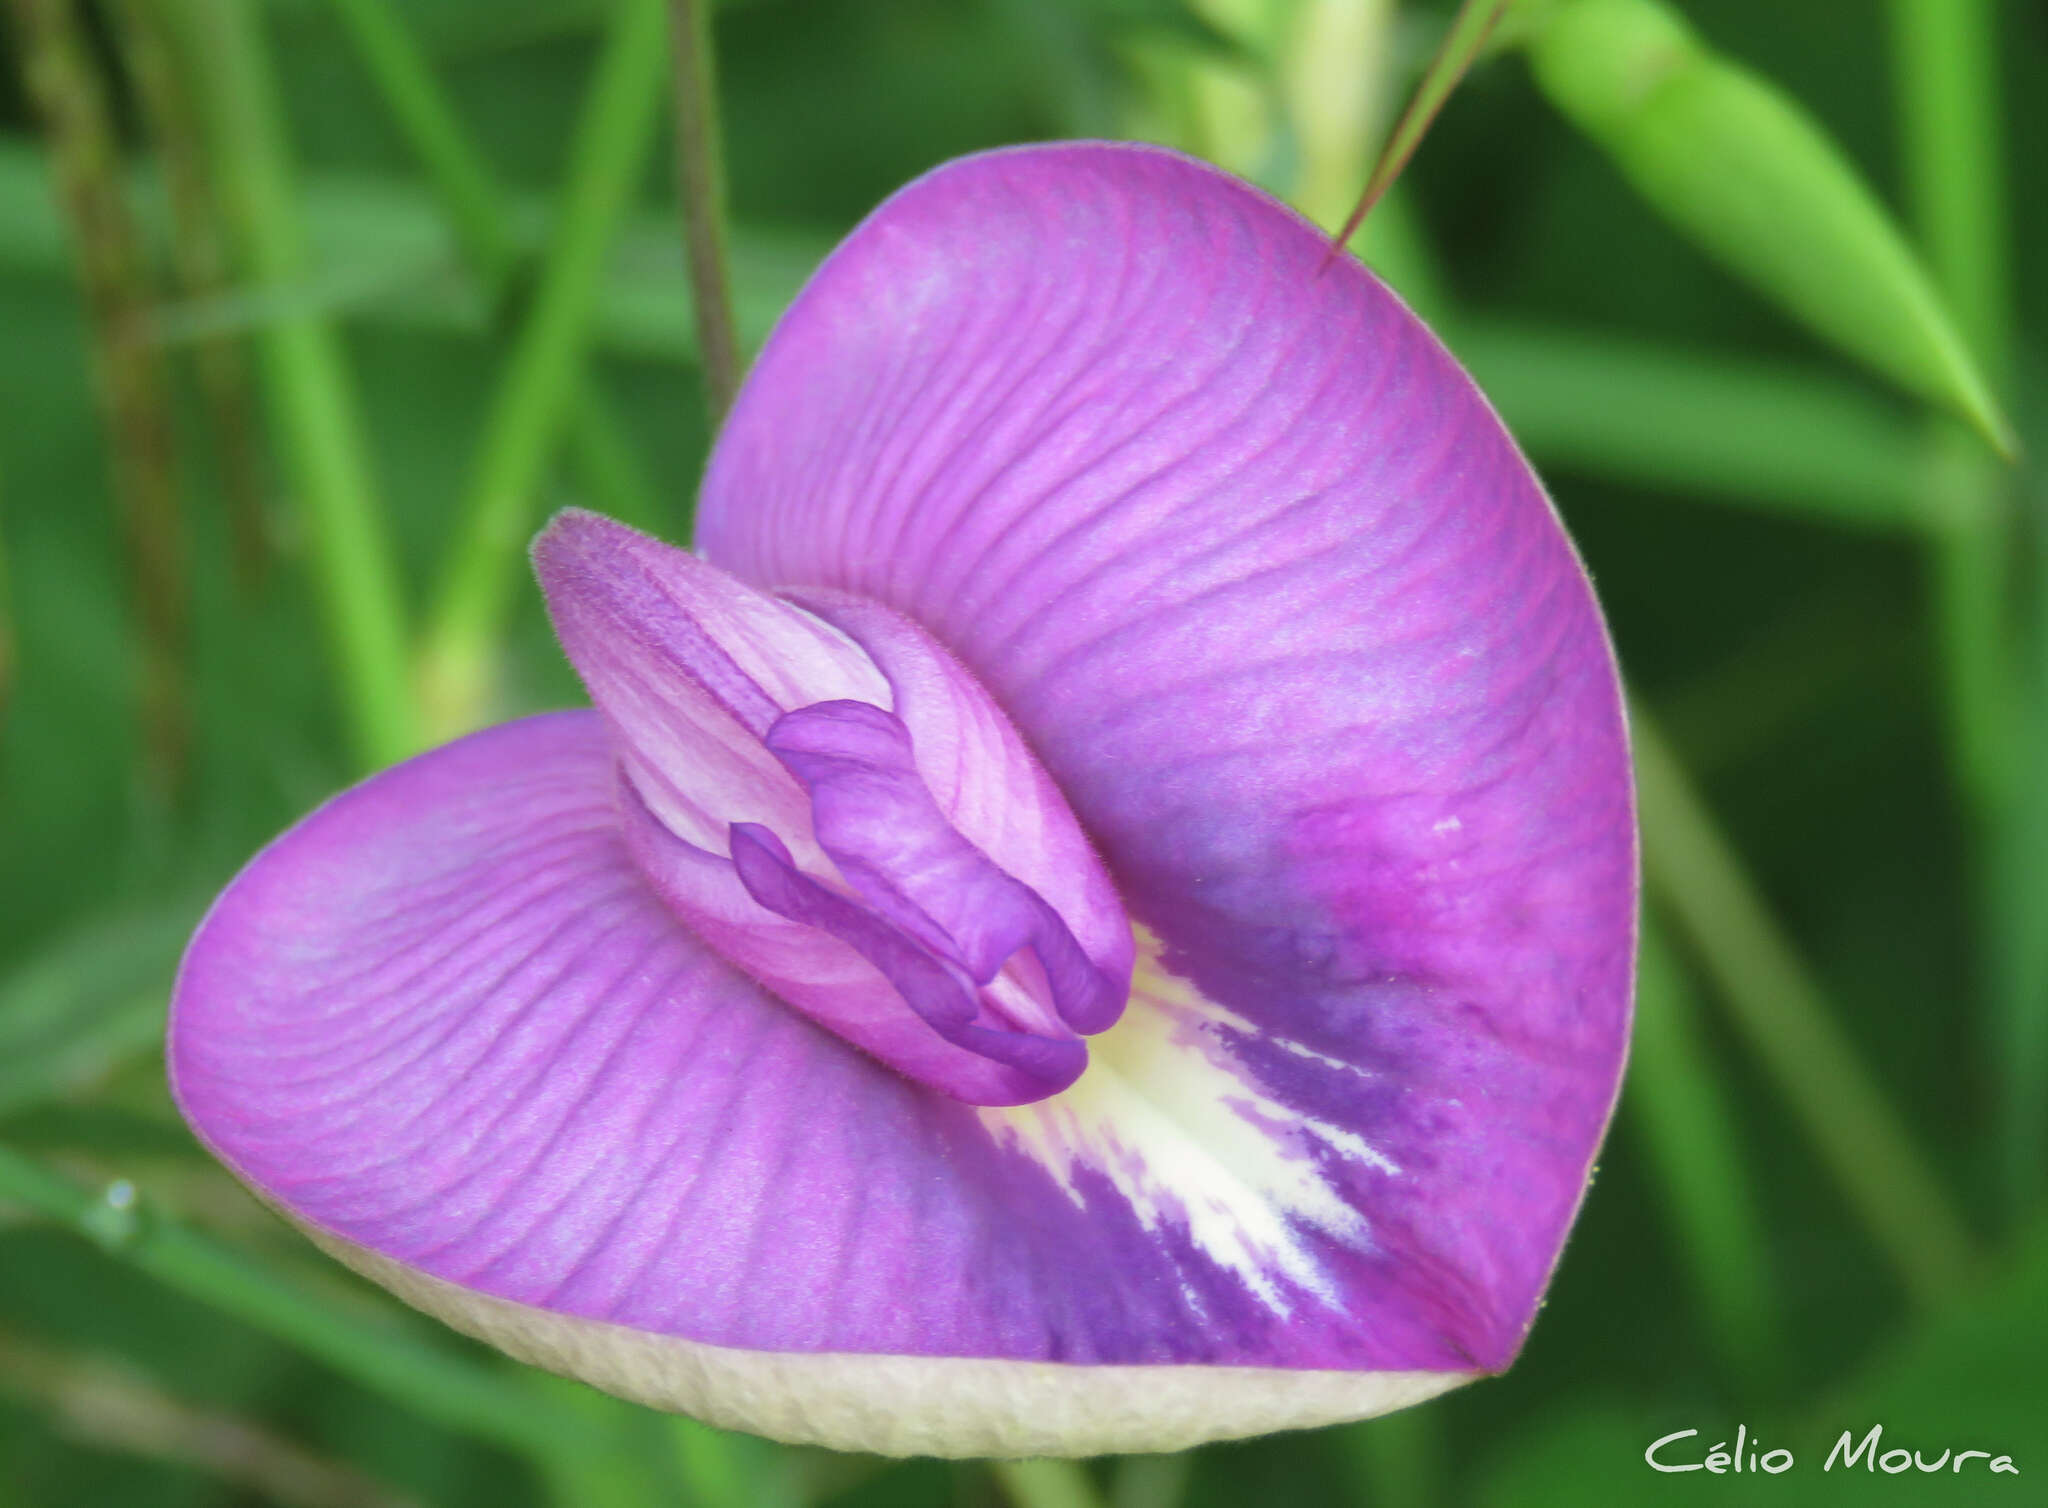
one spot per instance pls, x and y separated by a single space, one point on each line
1945 55
311 395
709 1464
63 75
1152 1481
1396 1460
199 256
534 398
1675 1102
1045 1484
456 1394
1462 43
8 652
1780 1010
607 462
1946 64
476 209
700 185
412 94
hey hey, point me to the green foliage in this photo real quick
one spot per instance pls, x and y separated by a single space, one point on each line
1813 1214
1739 167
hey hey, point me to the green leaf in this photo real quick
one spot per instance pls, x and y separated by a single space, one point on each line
1739 168
1768 435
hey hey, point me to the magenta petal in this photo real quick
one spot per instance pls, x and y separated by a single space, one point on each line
887 837
736 711
1267 588
937 988
444 1025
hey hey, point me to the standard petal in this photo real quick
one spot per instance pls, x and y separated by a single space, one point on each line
1265 585
444 1026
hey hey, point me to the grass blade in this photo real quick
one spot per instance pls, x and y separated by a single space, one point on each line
1467 35
311 393
1743 171
1675 1103
700 190
1781 1012
533 397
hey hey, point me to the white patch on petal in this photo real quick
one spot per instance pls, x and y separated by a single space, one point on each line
1167 1114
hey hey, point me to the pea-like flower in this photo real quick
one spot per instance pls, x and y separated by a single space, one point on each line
1095 913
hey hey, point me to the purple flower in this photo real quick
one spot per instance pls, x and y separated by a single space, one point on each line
1096 915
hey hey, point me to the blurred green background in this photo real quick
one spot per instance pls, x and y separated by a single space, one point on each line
309 308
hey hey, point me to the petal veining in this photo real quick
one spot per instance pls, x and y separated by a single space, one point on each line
1269 591
444 1024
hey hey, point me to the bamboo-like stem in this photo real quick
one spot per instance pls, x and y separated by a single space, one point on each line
1946 65
312 396
533 398
201 270
1946 62
1786 1020
700 189
476 209
455 1393
65 81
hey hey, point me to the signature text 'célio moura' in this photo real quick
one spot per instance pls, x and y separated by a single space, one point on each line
1671 1454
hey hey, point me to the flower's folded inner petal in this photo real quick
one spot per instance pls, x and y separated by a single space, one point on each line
734 711
876 819
942 993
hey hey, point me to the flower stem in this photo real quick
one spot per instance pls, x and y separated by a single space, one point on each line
311 395
533 398
455 1393
1778 1007
700 185
64 78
